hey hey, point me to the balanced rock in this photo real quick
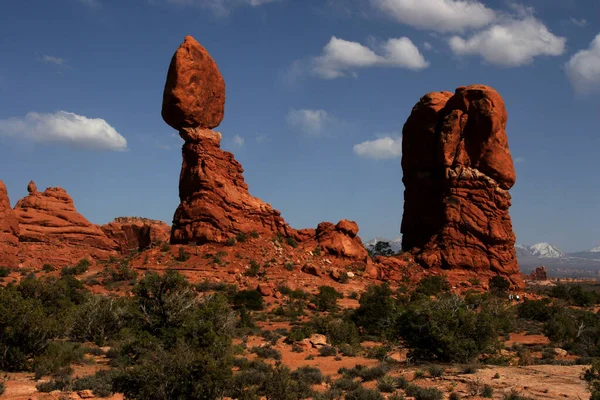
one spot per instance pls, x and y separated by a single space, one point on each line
52 231
457 172
194 94
9 231
135 233
215 202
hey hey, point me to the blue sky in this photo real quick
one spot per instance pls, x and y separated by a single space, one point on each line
317 93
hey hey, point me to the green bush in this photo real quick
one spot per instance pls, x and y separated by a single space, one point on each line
253 270
364 394
326 299
241 237
377 311
435 371
2 388
100 383
249 299
291 242
387 384
327 351
56 356
80 268
535 310
4 272
448 330
99 319
230 242
182 255
309 375
421 393
499 285
432 285
266 352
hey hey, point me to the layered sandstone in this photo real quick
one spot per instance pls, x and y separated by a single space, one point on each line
52 231
457 172
135 233
9 231
539 274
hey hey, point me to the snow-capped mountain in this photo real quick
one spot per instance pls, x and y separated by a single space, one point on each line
546 250
595 250
395 244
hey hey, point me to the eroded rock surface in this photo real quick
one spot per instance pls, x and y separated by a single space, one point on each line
457 172
9 231
135 233
52 231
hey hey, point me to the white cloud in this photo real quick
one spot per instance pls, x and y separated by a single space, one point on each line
583 69
64 128
261 138
380 149
427 46
57 61
221 7
238 140
438 15
313 122
519 160
578 22
511 42
342 56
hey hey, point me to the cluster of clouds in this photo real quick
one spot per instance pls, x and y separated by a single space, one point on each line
61 127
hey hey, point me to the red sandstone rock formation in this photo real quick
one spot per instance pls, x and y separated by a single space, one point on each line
52 231
540 274
341 239
457 172
215 202
9 231
134 233
194 94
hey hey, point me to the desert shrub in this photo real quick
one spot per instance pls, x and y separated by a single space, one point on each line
230 242
165 247
377 352
254 234
249 299
432 285
253 270
421 393
435 371
80 268
487 391
317 251
326 299
364 394
499 285
377 310
56 356
298 333
99 319
100 383
289 266
562 326
266 352
122 272
536 310
4 272
291 242
346 384
386 384
48 268
592 376
309 375
419 374
448 330
454 396
575 294
182 255
327 351
340 331
514 395
2 388
366 373
470 369
241 237
381 248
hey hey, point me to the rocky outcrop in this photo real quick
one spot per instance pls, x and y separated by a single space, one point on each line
341 240
52 231
457 172
539 274
215 202
9 231
135 233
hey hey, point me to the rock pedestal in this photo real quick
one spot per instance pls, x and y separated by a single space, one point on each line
457 172
9 231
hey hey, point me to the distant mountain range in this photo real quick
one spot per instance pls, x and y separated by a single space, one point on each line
557 262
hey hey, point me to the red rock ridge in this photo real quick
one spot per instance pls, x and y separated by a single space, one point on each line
52 231
9 231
